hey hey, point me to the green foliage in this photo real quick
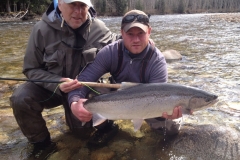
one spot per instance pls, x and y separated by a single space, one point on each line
39 6
101 6
121 6
36 6
139 5
118 7
160 6
104 6
180 7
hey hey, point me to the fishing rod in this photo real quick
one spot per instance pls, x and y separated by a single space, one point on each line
91 84
30 80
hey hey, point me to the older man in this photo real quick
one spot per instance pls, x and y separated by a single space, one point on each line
133 59
60 45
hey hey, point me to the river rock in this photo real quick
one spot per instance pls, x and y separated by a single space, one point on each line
102 154
206 142
171 55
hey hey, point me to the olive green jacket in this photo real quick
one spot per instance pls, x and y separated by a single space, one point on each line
48 55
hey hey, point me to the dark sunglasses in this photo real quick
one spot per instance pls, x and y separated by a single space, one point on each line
140 18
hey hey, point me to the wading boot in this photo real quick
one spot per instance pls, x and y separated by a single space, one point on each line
102 136
38 151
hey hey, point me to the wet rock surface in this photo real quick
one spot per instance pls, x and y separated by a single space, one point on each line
206 142
18 16
172 55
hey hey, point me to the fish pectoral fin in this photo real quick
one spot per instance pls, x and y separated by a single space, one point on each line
98 119
137 123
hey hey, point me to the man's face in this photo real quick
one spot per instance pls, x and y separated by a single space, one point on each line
135 39
75 14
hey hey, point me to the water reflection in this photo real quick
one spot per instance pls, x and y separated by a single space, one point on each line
210 61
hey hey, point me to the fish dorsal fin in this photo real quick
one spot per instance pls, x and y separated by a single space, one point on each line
125 85
98 119
137 123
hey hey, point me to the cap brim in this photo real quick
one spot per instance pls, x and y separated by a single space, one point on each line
135 24
87 2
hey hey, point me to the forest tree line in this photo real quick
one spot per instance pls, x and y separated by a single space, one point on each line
166 6
35 6
119 7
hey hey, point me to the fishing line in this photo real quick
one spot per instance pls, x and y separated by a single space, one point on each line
90 88
59 85
51 95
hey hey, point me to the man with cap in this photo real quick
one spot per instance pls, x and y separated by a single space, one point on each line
125 60
60 45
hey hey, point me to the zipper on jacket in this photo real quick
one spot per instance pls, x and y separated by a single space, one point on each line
131 61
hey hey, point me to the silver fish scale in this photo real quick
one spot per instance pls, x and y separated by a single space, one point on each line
154 89
143 101
136 108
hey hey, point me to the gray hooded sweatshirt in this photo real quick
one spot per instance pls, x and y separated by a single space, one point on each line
106 61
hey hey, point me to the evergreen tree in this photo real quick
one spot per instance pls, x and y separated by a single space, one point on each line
103 9
139 5
162 7
180 7
121 6
101 6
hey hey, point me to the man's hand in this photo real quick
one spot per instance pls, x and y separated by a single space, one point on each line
69 85
80 112
177 113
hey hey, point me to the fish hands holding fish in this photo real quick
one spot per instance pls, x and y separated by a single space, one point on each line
136 101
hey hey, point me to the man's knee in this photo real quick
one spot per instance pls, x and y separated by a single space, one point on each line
16 98
23 98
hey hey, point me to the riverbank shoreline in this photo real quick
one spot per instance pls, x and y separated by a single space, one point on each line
228 17
16 17
10 17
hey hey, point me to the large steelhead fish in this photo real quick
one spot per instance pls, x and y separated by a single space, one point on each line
137 102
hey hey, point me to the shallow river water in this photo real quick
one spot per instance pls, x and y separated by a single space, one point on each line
211 61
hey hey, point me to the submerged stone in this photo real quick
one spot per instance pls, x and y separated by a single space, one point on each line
205 142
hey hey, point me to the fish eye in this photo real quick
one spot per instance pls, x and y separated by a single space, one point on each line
207 99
